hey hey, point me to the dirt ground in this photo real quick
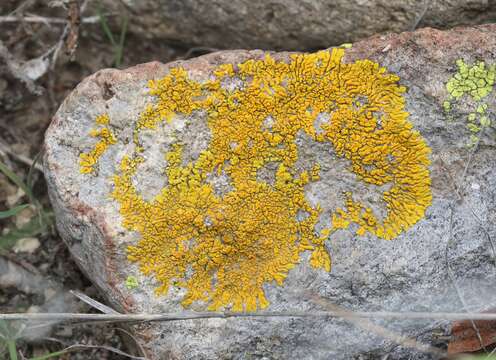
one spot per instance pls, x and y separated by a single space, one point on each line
32 42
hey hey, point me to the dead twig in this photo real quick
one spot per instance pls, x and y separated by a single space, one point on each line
36 19
421 15
87 347
68 29
31 70
25 4
374 328
74 17
180 316
127 333
106 310
93 303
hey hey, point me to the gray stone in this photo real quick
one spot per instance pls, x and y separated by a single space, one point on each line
293 24
408 273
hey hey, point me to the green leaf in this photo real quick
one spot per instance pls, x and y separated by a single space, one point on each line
8 337
11 345
120 49
17 180
105 27
35 226
50 355
13 211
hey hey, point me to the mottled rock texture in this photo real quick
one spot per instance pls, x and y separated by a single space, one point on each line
408 273
294 24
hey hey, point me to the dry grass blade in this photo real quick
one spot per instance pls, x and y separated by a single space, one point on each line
118 46
86 347
46 20
366 324
93 303
36 225
11 212
136 342
17 181
191 315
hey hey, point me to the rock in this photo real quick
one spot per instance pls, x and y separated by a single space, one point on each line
28 244
50 297
292 24
231 178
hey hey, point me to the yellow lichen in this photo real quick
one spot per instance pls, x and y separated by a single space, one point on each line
223 248
88 160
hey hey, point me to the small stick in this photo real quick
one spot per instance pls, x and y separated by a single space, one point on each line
370 326
224 315
46 20
93 303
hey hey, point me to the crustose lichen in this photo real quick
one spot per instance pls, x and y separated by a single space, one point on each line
476 82
223 249
88 160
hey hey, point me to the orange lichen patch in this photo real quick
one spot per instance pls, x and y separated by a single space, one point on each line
223 249
88 160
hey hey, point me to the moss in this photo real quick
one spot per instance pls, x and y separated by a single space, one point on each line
475 82
224 249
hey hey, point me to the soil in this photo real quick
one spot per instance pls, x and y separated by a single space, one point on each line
24 117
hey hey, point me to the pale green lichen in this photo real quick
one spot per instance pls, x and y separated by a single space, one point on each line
476 82
131 282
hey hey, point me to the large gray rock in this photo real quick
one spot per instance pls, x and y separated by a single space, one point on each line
294 24
408 273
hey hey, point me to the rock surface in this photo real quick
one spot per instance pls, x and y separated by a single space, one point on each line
294 24
409 273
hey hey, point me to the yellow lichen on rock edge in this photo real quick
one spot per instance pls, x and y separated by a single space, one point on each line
223 248
88 160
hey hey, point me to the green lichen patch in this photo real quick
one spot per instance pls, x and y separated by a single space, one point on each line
131 282
474 82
